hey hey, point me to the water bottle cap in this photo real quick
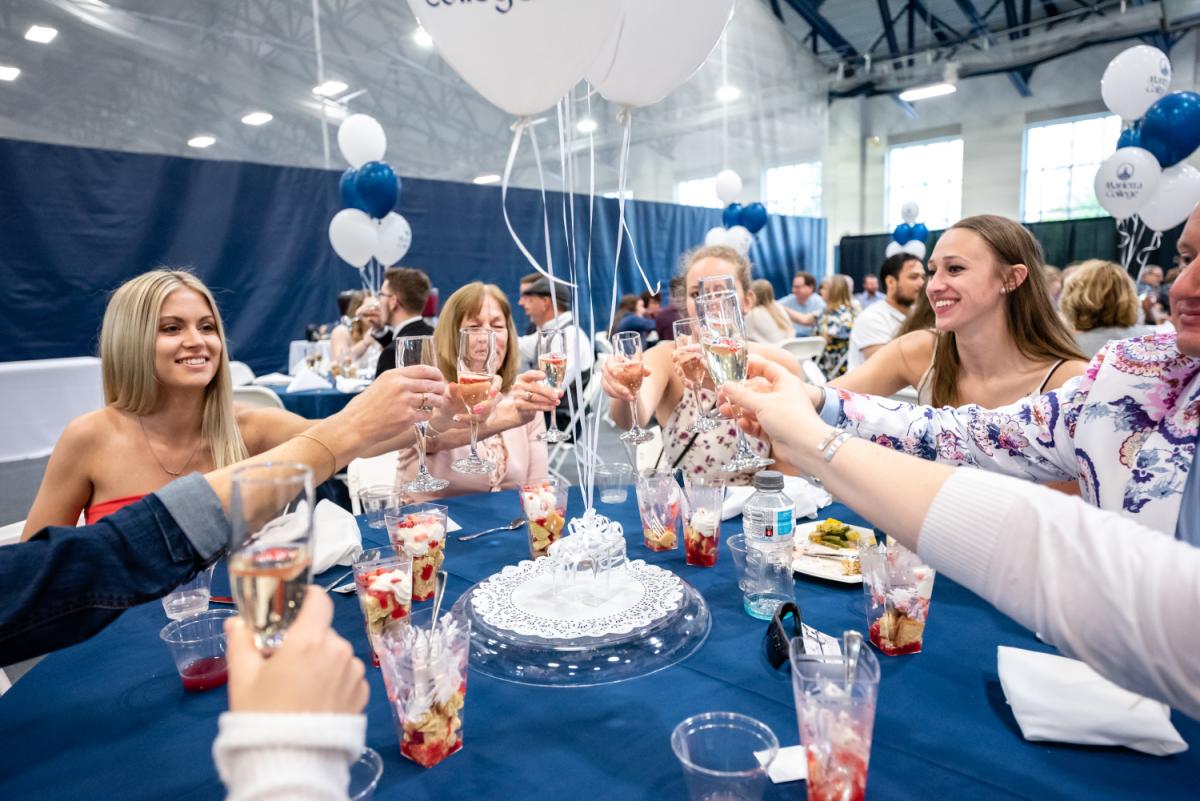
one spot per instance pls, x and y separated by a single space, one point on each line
768 480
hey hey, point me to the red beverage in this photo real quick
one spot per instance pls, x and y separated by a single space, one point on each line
204 674
475 388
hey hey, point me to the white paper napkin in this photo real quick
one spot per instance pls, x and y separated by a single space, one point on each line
307 379
451 525
807 497
345 384
337 539
272 379
790 764
1063 700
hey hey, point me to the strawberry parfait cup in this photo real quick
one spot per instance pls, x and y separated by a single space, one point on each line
544 504
420 531
383 580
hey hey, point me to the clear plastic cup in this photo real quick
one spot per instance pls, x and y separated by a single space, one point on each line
613 481
737 551
544 504
835 708
198 645
659 500
717 751
897 586
419 530
190 597
375 500
364 775
702 525
383 580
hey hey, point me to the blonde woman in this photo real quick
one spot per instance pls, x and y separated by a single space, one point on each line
354 340
767 322
835 324
1100 302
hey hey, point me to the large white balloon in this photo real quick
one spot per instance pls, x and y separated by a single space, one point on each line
729 186
715 236
1135 79
909 212
354 236
395 236
893 248
1178 193
1126 180
637 67
361 139
915 247
739 238
523 56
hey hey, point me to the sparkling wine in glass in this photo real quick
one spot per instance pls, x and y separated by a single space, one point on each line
412 351
476 366
723 335
687 337
627 353
552 360
270 561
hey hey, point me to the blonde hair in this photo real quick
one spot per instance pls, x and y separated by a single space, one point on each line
764 295
838 291
127 348
741 264
1100 294
466 301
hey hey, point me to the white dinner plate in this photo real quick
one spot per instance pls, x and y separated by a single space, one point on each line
827 569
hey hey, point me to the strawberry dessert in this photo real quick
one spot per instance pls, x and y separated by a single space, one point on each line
385 595
422 536
700 538
659 534
546 515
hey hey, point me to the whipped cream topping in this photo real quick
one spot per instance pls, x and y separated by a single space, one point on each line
418 539
397 583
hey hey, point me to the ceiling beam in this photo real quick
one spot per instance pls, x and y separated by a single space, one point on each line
823 27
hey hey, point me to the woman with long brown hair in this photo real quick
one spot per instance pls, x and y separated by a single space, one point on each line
996 336
767 322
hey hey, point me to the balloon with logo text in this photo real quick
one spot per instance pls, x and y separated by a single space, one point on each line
1135 79
1126 180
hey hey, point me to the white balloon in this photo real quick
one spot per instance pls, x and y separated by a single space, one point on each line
916 247
354 236
909 212
361 139
715 236
395 236
635 68
739 238
522 56
729 186
1126 180
1178 193
1134 80
893 248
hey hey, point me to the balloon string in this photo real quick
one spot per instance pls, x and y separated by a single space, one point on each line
587 478
626 117
519 130
1143 255
1123 238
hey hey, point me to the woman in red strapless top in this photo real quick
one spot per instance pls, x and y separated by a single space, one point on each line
105 508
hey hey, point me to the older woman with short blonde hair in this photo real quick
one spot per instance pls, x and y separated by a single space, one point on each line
1100 303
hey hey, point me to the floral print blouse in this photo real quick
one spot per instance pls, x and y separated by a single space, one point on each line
712 449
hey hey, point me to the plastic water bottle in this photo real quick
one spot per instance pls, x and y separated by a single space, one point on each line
767 522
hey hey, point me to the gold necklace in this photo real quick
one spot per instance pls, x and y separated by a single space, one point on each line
150 448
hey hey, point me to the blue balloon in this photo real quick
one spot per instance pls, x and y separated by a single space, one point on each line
918 232
903 233
732 215
1171 128
754 217
378 188
1131 136
350 198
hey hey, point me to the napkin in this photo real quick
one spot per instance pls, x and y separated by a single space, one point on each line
790 764
1063 700
807 497
350 385
272 379
337 539
307 379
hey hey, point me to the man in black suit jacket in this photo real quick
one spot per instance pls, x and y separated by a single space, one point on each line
403 298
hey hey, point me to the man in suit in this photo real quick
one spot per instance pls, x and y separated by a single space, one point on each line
550 309
403 298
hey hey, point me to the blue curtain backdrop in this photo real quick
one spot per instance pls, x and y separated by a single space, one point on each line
75 223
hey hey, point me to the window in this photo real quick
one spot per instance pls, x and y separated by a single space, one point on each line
698 192
1061 159
794 189
930 175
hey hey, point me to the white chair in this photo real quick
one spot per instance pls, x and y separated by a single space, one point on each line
241 374
258 397
370 472
603 344
804 347
11 533
812 373
649 452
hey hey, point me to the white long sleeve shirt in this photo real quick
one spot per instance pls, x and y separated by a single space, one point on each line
1091 582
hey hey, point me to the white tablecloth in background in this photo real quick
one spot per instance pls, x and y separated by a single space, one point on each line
298 349
39 397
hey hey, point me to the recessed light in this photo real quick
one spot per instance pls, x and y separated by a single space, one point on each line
586 126
330 88
42 34
926 92
257 118
490 178
728 93
9 73
202 141
422 37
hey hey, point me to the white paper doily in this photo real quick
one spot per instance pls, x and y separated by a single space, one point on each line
520 599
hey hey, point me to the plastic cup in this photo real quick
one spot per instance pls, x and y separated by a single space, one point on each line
613 481
383 580
375 500
544 504
659 499
835 708
897 588
197 644
419 530
702 526
190 597
737 551
425 671
717 751
364 775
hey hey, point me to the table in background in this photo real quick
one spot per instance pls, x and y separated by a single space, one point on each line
109 718
315 404
39 397
298 349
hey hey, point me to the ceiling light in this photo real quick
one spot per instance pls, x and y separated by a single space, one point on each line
926 92
204 140
42 34
257 118
614 194
330 88
586 126
9 73
422 37
490 178
728 93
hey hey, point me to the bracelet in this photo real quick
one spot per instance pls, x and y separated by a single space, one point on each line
329 450
833 447
830 437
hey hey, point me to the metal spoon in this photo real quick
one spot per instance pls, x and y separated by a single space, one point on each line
438 594
516 523
851 646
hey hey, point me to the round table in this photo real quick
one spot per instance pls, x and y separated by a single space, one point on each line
109 718
315 404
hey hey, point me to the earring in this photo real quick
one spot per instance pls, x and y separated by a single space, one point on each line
1003 290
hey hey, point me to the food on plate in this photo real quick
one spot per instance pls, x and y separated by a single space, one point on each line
835 534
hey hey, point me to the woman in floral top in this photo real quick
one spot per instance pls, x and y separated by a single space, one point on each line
834 324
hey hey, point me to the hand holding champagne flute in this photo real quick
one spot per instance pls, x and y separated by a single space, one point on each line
628 371
412 351
476 366
552 361
689 359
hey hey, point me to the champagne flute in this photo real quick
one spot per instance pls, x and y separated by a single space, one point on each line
723 335
552 360
270 559
412 351
687 336
711 285
476 366
627 351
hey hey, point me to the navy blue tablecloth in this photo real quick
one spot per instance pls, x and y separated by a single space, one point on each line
315 404
109 718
